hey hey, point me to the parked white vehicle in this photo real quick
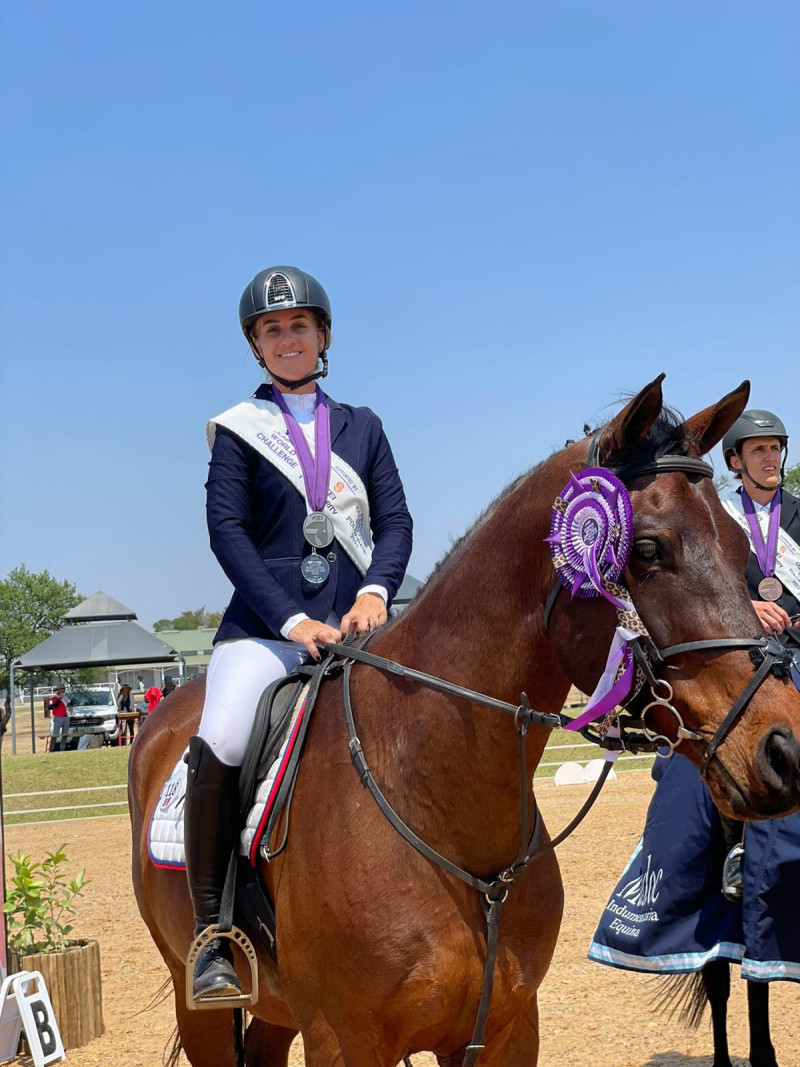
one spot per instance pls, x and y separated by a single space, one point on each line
92 711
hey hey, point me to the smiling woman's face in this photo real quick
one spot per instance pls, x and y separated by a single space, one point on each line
290 343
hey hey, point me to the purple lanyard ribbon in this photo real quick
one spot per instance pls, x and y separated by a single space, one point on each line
317 468
766 553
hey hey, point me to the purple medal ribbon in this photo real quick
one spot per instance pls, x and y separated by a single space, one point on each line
317 468
766 553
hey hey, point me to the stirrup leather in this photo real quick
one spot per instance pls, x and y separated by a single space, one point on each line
238 938
732 874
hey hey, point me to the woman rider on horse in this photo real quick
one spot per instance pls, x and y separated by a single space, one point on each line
308 519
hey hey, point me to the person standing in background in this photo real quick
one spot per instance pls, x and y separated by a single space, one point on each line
124 707
59 727
152 696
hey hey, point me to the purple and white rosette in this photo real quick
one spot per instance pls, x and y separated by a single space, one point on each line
591 532
590 540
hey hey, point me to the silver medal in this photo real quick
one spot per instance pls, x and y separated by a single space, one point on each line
315 569
318 529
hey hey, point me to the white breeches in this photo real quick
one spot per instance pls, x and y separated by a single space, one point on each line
238 673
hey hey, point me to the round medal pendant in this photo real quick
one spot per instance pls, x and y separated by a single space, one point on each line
318 529
315 569
770 589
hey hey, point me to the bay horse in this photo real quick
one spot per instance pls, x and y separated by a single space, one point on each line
380 952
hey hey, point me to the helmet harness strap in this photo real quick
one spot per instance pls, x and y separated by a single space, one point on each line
302 381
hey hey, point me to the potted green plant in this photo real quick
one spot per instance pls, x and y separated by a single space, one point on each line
39 908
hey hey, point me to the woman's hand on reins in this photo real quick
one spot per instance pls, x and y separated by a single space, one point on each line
368 612
310 633
773 618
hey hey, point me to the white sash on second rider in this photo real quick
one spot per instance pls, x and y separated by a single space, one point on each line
260 424
787 560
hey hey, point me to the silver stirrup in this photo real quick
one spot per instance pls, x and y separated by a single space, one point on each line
238 938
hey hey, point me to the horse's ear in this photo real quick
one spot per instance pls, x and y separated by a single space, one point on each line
708 427
627 429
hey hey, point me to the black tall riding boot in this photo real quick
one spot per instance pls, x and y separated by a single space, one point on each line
210 830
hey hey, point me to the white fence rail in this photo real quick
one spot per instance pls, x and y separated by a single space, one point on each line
13 815
623 765
624 758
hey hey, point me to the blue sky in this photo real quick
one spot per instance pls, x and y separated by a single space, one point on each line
519 210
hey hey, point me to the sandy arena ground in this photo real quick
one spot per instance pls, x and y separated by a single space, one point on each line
592 1016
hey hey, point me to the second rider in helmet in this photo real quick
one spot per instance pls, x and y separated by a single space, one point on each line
755 450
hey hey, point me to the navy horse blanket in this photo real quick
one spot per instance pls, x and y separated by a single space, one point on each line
667 913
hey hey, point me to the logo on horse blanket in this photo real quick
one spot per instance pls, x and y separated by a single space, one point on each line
165 835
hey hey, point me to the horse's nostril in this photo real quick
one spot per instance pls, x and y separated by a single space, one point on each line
782 754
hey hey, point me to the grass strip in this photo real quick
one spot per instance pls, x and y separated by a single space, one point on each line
51 774
558 751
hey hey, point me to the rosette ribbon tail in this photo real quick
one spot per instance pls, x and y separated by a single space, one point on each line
590 563
615 683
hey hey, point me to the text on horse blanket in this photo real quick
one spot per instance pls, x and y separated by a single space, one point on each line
165 836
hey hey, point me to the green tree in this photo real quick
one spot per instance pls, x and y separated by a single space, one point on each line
189 620
792 483
32 607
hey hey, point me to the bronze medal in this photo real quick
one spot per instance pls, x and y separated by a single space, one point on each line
770 589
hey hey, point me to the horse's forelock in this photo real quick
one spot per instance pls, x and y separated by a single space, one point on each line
667 436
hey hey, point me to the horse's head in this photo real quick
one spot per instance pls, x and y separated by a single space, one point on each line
685 576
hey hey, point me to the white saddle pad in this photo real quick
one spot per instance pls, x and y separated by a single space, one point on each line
165 836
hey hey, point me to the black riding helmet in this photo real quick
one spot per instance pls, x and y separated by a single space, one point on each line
276 289
754 423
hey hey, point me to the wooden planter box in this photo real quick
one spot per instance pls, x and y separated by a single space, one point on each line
72 978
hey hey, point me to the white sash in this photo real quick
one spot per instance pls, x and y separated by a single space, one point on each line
787 559
260 424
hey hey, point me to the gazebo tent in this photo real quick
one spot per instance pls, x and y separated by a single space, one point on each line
100 607
100 632
409 587
97 644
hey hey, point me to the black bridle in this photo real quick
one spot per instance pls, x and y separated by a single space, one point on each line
767 654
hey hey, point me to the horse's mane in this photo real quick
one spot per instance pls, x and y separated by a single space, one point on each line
666 437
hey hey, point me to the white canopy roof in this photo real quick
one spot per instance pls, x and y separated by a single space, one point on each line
97 644
99 606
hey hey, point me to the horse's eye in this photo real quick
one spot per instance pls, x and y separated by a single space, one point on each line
646 550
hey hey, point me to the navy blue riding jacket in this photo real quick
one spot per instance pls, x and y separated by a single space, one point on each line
790 521
255 519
